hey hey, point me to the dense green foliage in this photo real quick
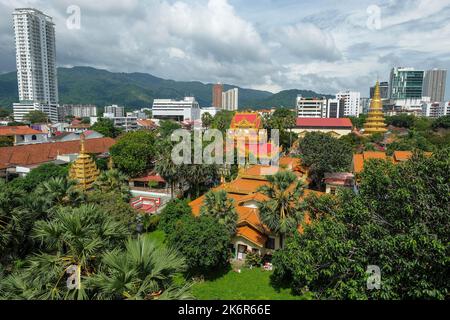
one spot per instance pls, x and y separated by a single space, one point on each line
203 242
106 127
134 152
323 153
36 117
167 127
222 120
6 141
172 212
398 221
401 121
4 113
85 85
40 174
442 122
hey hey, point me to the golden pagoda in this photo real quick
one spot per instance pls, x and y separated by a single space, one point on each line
84 170
375 119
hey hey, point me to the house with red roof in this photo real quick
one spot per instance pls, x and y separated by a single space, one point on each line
22 135
338 127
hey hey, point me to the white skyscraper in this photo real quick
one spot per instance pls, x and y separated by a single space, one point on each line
36 63
230 99
352 105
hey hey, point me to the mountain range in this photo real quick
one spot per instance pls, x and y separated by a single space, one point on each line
87 85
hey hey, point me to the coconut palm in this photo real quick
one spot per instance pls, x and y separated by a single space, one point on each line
281 213
219 206
113 181
143 271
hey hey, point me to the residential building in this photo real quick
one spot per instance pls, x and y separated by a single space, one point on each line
230 99
335 181
21 109
337 127
384 90
36 63
139 114
77 111
178 110
405 88
21 135
365 105
352 106
76 136
114 110
217 91
435 109
434 84
125 123
311 107
335 108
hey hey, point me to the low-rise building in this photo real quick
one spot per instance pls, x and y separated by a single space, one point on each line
336 126
22 135
187 109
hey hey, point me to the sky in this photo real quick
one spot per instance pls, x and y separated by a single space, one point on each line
321 45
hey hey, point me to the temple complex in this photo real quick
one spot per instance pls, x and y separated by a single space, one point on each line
84 170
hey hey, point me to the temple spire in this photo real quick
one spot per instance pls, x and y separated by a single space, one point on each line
375 119
84 170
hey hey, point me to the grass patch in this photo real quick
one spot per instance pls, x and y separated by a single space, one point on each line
248 285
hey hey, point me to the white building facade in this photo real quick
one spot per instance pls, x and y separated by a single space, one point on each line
230 99
435 109
187 109
311 107
115 110
36 63
352 103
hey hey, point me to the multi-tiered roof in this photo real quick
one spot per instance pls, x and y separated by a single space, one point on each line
375 120
84 170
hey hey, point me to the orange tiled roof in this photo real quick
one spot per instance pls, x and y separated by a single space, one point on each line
46 152
252 235
359 159
17 130
400 156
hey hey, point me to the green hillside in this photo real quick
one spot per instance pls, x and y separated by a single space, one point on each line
88 85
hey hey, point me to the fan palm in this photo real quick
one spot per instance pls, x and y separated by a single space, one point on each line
281 212
219 206
143 271
114 181
60 191
169 171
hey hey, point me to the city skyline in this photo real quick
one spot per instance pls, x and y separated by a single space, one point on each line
229 41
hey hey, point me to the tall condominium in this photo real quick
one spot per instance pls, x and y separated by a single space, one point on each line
77 111
352 105
311 107
217 96
335 108
36 63
434 85
230 99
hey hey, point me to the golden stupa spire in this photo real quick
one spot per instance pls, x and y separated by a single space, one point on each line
375 119
84 170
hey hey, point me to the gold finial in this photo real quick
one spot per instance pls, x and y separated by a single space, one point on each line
82 140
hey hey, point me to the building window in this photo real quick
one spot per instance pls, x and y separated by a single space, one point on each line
333 191
270 243
33 137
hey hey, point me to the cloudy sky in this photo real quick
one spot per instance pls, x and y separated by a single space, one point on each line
322 45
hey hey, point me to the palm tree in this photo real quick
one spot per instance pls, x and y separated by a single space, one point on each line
219 206
143 271
61 191
113 181
71 237
169 171
281 213
207 120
